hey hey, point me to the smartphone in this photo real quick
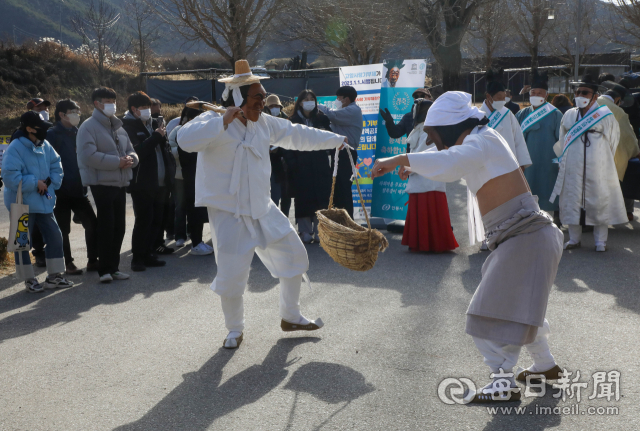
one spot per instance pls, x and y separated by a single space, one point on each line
160 120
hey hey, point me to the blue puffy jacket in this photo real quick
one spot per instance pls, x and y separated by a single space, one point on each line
26 162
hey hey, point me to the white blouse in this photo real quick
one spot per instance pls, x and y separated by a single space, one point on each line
482 156
509 128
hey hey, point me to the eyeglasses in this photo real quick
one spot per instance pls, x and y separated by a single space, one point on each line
583 93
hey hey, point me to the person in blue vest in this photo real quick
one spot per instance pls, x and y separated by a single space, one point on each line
540 125
31 161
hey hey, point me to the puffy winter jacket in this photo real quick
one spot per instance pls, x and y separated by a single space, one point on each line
26 162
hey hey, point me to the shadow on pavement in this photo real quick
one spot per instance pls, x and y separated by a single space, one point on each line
200 399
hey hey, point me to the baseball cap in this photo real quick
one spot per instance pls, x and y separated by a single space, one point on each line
33 119
37 101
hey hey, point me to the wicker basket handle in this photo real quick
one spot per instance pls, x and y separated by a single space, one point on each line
355 175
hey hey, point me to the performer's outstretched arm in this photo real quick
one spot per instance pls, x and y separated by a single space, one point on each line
201 132
291 136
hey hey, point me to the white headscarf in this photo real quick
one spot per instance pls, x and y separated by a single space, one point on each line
451 108
235 91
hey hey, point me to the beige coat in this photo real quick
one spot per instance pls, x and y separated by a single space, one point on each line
628 145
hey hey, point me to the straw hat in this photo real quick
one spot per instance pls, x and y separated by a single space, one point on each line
242 77
273 100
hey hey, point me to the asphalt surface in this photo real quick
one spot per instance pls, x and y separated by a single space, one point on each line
145 354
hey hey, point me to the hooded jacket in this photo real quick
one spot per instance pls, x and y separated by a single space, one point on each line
26 162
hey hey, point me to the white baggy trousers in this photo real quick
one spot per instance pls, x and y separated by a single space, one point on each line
273 239
505 356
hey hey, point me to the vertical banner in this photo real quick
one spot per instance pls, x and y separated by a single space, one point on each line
400 78
366 80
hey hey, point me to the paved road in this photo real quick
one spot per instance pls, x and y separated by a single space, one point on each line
145 354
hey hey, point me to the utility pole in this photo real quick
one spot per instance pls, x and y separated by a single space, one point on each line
578 27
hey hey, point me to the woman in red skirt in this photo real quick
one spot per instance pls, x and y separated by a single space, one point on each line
428 226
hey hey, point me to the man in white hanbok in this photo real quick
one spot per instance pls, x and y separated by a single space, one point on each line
232 181
587 181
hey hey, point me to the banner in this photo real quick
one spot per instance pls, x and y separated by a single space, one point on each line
366 80
400 78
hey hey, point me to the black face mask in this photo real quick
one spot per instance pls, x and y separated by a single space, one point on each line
41 134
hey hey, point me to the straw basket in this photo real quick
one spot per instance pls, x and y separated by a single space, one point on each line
348 243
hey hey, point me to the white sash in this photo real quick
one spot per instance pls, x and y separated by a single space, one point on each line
583 126
496 117
537 115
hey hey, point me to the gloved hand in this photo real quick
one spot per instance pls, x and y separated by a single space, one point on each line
386 116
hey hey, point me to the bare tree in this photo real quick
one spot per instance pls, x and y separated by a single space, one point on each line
566 29
488 31
443 23
233 28
532 25
623 26
142 19
101 37
357 31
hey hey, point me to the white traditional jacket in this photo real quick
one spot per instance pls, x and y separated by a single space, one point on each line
234 169
509 128
417 142
482 156
603 196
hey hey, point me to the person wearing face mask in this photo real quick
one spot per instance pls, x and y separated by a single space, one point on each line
40 106
345 121
31 163
72 195
540 125
502 120
281 191
587 183
106 158
615 99
513 107
151 182
311 170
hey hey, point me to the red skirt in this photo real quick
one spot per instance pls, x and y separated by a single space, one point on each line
428 226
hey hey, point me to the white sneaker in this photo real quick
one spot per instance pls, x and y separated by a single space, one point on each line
107 278
180 243
120 276
208 246
200 250
306 238
601 247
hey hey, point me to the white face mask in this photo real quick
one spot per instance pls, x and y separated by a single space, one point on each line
582 102
109 109
507 99
309 105
44 115
536 101
275 111
74 119
498 104
145 114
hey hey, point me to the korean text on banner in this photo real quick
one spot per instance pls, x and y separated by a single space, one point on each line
400 78
366 80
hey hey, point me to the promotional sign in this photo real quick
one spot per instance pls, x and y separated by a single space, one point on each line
366 80
400 78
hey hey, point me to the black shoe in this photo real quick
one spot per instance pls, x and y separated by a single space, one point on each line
138 266
93 266
41 261
152 263
165 250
